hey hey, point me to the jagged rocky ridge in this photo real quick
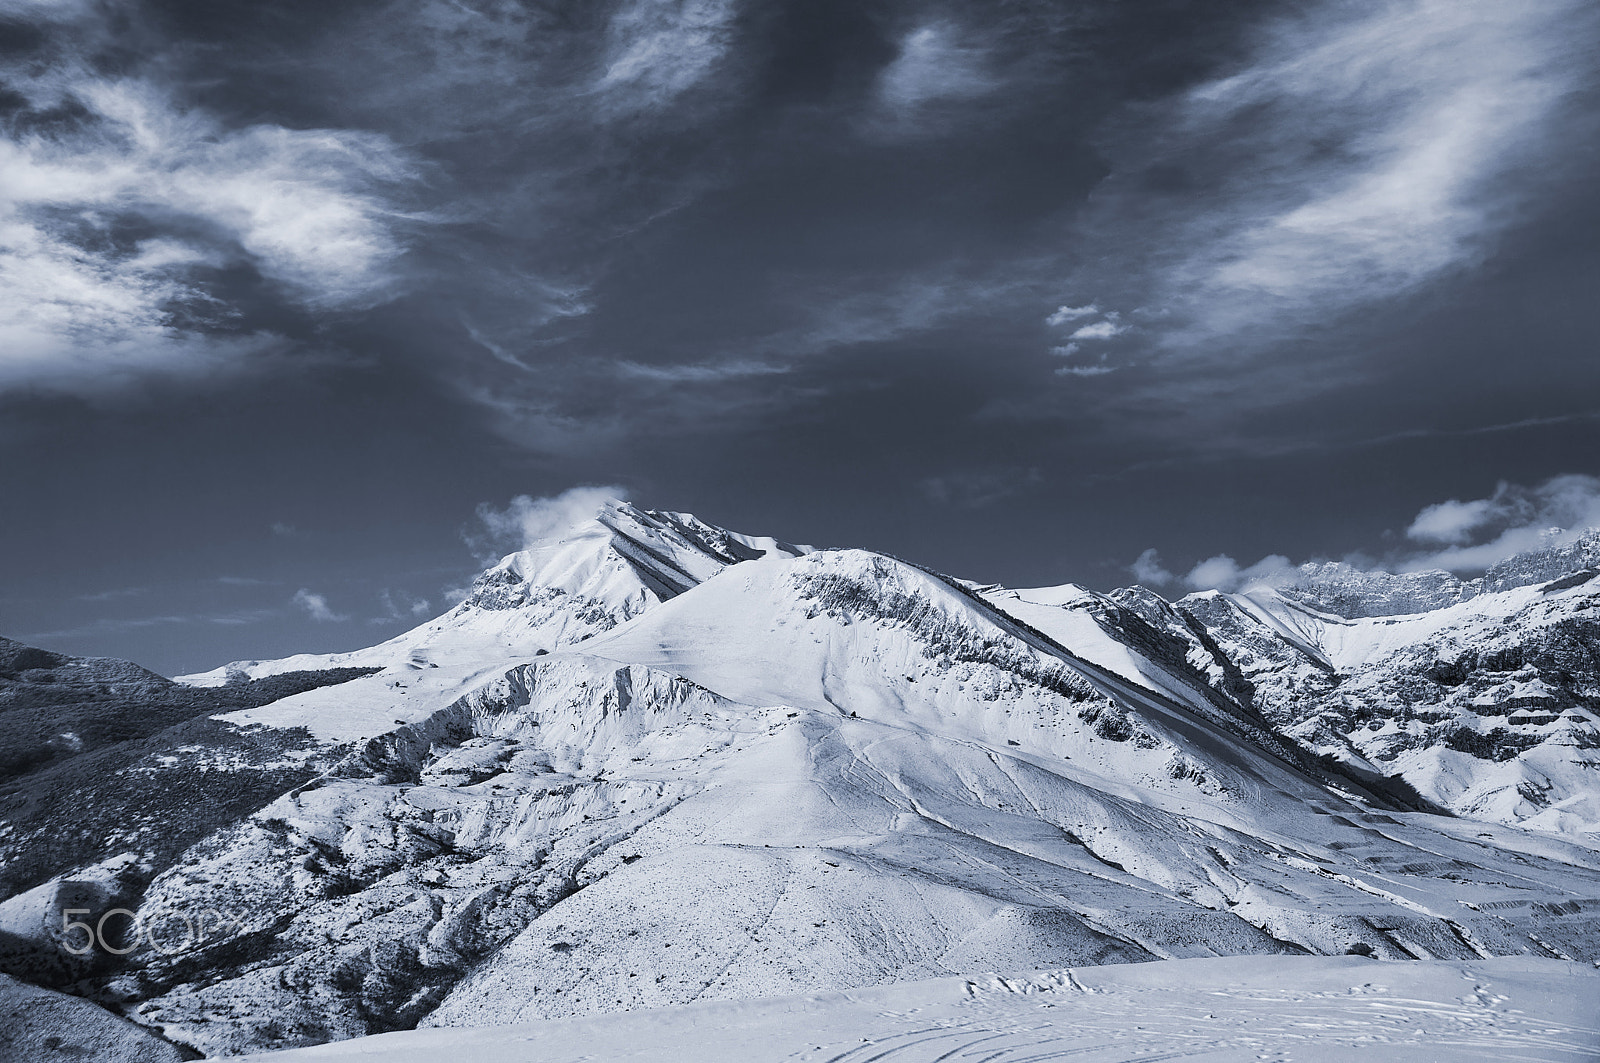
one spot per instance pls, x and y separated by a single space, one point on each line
657 762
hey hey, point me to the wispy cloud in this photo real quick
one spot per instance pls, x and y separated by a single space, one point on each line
112 595
1362 151
114 227
1065 314
658 50
398 606
938 63
699 373
1100 330
977 488
107 625
113 625
316 607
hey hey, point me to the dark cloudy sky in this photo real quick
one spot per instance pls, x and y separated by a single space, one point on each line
1017 289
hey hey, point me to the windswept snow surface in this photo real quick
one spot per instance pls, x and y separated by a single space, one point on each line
1306 1009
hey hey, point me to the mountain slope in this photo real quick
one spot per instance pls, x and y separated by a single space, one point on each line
805 773
599 574
1489 707
656 763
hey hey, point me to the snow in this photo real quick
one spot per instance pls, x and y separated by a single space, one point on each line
1063 613
601 573
1306 1009
658 765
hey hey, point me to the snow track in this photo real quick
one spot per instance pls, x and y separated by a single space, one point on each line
1279 1009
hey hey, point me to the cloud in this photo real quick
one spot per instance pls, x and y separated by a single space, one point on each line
1067 351
980 488
1450 522
105 625
660 49
937 62
316 607
1100 330
528 521
1148 570
111 595
1512 520
1224 574
702 373
113 229
1064 314
397 605
1085 370
1360 152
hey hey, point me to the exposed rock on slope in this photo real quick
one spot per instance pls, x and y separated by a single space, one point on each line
1489 708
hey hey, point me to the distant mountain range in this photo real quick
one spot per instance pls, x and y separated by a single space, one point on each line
658 762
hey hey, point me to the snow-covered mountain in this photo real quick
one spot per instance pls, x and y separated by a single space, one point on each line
656 763
1489 708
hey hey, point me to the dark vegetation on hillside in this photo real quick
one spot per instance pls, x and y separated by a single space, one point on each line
100 757
54 708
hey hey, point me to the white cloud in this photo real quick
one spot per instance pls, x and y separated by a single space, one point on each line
316 607
1084 370
1100 330
660 49
1361 152
1067 351
1224 574
1148 570
527 521
1065 314
702 373
45 10
936 62
80 303
1513 520
1450 522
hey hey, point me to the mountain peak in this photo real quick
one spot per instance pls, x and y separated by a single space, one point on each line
624 557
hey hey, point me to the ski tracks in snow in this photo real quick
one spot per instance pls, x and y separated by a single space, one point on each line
1022 1021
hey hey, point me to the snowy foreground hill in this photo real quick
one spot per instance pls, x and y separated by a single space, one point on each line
659 764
